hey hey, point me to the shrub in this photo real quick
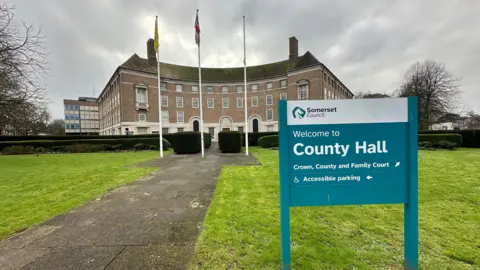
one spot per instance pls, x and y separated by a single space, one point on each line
84 148
268 141
187 142
40 150
230 141
470 137
433 138
141 146
254 136
207 139
153 147
59 149
18 150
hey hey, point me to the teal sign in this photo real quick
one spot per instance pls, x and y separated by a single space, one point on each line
349 152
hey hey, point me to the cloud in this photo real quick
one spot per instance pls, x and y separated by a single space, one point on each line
367 44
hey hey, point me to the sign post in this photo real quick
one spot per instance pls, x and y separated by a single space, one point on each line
349 152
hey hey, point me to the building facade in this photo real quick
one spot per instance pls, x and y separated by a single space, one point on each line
81 116
129 101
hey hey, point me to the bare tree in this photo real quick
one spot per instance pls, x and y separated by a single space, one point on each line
436 88
371 95
27 119
22 64
473 120
56 127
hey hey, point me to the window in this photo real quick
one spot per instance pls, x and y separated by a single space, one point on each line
142 117
210 89
141 95
269 100
225 103
163 86
269 85
254 87
194 88
180 129
303 91
164 101
283 83
325 77
210 103
179 88
270 115
283 96
180 117
225 89
239 102
164 130
195 103
254 101
239 89
325 93
240 129
164 117
179 102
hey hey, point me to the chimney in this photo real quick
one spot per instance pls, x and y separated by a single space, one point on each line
151 56
293 49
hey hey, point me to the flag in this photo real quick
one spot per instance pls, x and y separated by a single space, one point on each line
197 30
155 40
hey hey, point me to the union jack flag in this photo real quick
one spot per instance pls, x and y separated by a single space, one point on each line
197 30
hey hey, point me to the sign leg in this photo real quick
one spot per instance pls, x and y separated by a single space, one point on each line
285 235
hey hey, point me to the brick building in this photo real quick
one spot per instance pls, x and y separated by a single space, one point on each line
129 102
81 116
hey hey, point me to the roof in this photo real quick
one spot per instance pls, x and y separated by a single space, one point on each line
220 75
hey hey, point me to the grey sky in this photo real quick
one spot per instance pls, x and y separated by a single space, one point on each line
367 44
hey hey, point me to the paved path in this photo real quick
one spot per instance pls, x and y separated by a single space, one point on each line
151 223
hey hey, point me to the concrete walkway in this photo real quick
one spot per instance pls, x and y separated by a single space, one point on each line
151 223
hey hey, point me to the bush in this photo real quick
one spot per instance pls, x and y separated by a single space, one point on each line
253 137
188 142
40 150
433 138
230 141
84 148
59 149
117 144
18 150
153 147
207 139
268 141
470 137
141 146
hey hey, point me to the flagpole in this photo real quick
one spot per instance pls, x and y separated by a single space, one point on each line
245 87
201 102
160 129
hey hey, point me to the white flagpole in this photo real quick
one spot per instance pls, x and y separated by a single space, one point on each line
201 102
245 87
160 130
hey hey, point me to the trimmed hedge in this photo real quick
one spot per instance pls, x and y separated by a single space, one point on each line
435 138
470 137
254 136
230 141
268 141
120 144
5 138
188 142
207 139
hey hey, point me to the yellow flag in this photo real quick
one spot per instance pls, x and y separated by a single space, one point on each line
156 42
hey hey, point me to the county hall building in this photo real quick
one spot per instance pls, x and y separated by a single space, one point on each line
129 101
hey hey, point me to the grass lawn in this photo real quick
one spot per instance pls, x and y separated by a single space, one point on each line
242 225
34 189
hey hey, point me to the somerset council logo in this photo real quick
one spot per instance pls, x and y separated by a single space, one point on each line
298 113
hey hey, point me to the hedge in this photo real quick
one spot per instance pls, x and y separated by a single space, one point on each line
188 142
268 141
470 137
434 138
254 136
5 138
124 144
230 141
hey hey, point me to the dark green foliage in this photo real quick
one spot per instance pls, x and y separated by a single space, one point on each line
4 138
254 136
268 141
434 145
40 150
470 138
207 139
141 146
18 150
230 141
453 138
153 147
61 146
188 142
84 148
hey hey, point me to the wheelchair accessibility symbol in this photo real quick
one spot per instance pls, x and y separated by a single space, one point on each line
296 180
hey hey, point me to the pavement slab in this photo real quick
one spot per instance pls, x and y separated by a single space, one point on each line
151 223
